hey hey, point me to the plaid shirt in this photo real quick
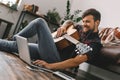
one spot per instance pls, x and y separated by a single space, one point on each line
92 39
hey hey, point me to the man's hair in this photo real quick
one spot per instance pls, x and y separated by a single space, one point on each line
96 14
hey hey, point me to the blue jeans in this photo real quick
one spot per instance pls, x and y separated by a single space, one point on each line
45 49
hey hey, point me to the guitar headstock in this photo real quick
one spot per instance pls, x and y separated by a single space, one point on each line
82 48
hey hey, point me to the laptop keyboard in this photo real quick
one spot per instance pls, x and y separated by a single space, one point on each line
57 73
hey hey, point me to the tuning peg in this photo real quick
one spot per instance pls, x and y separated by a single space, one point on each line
91 49
88 46
78 52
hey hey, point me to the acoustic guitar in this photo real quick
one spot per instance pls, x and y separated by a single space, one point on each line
61 42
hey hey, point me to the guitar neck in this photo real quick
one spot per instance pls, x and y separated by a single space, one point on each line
71 39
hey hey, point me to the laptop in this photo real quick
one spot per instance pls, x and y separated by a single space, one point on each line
23 49
24 54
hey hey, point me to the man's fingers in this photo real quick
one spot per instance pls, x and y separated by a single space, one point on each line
59 31
35 62
39 62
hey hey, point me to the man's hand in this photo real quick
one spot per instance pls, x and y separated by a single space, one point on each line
61 31
42 63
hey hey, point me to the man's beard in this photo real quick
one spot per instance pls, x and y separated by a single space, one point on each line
89 30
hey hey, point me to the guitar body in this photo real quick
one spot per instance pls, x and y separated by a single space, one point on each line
61 42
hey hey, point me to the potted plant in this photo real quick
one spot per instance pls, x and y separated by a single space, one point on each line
53 18
68 16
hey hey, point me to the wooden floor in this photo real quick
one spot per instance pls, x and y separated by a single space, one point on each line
13 68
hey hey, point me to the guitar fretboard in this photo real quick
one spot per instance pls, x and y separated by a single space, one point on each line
71 39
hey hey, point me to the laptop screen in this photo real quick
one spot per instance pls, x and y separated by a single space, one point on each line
23 49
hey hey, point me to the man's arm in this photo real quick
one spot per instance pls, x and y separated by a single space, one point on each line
67 23
73 62
64 27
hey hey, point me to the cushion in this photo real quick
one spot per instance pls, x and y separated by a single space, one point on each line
112 53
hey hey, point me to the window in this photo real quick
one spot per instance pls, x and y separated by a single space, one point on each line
9 2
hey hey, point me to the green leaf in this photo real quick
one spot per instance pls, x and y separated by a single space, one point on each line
78 19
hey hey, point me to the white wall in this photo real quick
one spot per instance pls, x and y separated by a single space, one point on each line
108 8
44 6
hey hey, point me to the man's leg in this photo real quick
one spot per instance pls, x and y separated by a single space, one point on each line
11 46
34 51
8 46
47 47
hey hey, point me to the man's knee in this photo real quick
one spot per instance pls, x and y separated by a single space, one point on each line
41 23
40 20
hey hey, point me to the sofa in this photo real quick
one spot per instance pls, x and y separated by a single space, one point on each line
109 58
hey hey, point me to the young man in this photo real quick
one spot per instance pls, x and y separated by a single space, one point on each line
46 51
